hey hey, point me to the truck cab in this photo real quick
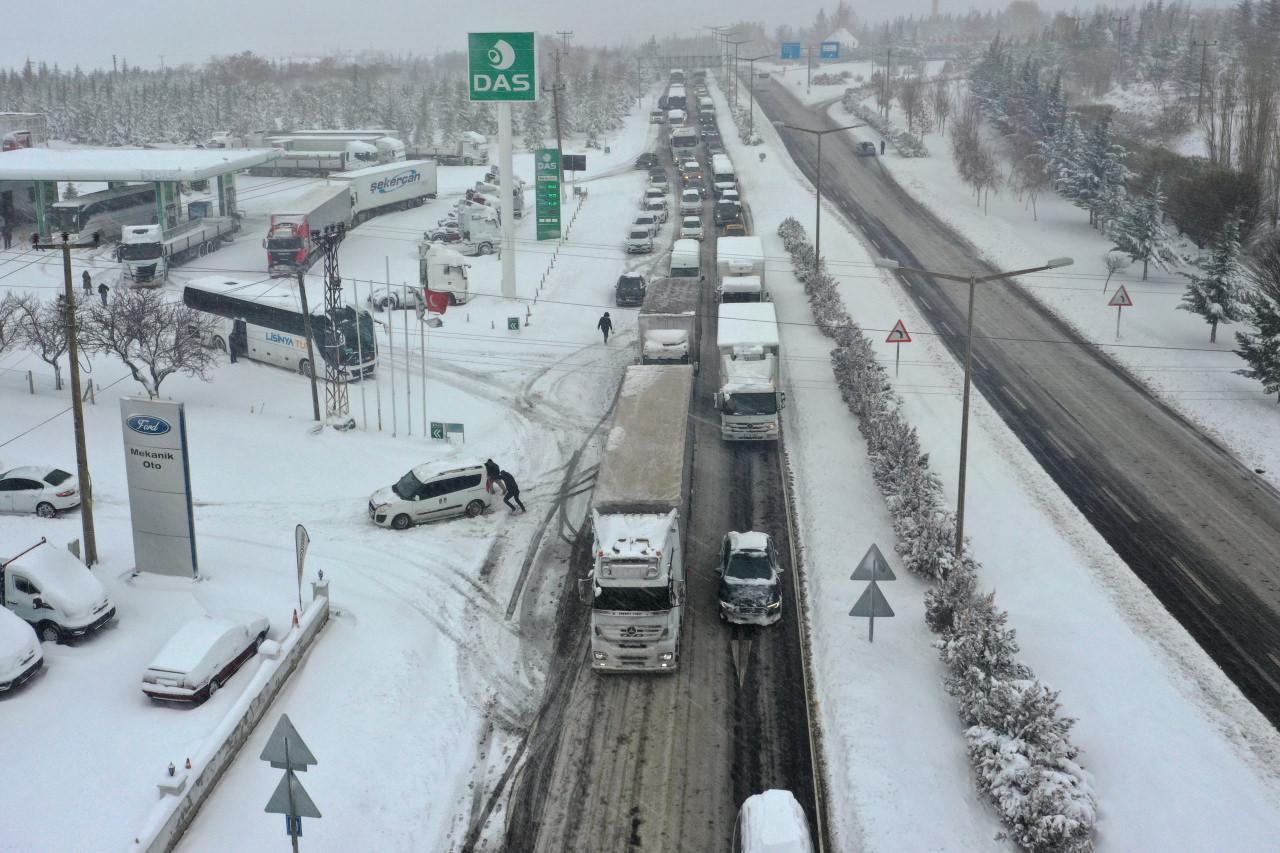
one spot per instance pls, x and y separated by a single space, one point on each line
444 270
750 398
142 252
637 591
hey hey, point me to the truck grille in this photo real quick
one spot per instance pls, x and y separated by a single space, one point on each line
633 633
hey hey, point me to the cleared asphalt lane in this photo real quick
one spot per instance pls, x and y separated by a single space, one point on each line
1200 529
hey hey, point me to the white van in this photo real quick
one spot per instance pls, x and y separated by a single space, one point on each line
690 201
771 822
675 117
685 262
20 653
55 594
430 492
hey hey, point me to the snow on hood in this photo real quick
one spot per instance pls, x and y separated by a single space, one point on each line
16 639
383 496
63 580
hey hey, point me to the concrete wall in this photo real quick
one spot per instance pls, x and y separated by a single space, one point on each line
188 789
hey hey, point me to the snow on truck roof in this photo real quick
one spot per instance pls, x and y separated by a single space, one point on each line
740 248
382 169
747 324
671 296
128 164
644 457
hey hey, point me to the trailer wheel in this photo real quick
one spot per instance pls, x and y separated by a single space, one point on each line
203 250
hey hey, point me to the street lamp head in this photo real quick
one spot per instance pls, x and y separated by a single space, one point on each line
887 263
1058 262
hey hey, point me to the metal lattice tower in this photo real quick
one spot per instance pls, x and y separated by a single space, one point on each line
335 378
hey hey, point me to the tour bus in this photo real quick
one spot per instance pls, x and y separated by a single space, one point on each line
106 212
268 316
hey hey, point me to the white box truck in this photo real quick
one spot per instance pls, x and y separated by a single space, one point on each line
388 187
148 253
740 267
685 259
637 582
669 325
750 396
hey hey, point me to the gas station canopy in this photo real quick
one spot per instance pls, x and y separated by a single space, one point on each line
128 164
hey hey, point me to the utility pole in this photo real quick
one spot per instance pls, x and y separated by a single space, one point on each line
311 351
735 44
336 405
77 404
162 61
888 69
1120 20
1204 59
556 88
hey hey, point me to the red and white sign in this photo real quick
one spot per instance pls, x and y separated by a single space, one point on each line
898 335
1120 299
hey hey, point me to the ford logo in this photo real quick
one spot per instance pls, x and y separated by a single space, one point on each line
148 424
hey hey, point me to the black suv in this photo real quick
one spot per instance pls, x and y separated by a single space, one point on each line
726 212
647 160
749 572
629 290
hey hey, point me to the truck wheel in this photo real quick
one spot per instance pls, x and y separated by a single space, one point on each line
218 343
400 522
304 367
44 509
485 249
388 303
49 632
203 250
453 299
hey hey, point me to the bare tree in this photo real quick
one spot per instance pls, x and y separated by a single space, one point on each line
1030 173
1113 262
940 100
155 338
42 326
911 99
10 323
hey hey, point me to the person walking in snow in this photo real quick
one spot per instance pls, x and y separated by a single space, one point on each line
512 490
491 474
7 230
86 282
605 326
103 290
881 147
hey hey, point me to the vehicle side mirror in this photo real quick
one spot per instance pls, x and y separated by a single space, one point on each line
784 399
41 604
677 592
264 244
719 570
584 589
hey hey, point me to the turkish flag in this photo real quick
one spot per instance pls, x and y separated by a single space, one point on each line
437 300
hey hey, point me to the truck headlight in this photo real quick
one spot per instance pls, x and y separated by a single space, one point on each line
667 656
774 605
598 655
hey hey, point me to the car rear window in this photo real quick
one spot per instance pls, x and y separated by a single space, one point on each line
56 477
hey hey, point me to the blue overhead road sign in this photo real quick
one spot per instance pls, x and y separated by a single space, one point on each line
830 50
791 50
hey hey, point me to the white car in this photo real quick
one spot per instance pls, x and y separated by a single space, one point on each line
658 207
20 654
691 228
394 298
650 221
44 491
690 201
731 195
651 193
639 240
430 492
202 655
772 822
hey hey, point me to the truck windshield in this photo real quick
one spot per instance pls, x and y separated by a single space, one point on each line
65 219
645 598
751 404
284 244
139 251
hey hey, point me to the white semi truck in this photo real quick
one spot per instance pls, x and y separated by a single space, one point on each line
636 587
750 398
388 187
470 149
669 325
740 267
148 253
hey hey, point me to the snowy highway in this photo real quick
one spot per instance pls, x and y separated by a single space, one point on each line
1198 528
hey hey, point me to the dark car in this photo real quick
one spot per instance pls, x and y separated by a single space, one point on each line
647 160
726 212
658 177
866 149
695 183
629 290
749 571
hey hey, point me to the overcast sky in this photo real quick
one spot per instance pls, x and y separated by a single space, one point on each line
88 32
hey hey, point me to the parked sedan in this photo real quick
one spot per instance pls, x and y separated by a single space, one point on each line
866 149
647 160
202 656
20 654
44 491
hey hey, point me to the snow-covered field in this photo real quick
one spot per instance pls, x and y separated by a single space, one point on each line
422 656
1167 737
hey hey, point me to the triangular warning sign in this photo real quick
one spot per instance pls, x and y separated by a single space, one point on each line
898 335
874 567
872 603
1120 299
291 798
299 756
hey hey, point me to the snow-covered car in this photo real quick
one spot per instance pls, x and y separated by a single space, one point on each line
731 195
749 572
652 192
639 240
690 201
650 221
691 228
657 117
20 654
54 593
771 822
393 298
658 207
429 492
866 149
44 491
202 656
646 160
658 178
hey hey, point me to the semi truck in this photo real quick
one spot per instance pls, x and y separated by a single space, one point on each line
669 325
491 193
750 398
480 225
471 149
149 253
391 186
740 268
636 586
291 239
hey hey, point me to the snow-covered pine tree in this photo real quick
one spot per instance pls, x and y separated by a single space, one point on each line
1101 172
1217 294
1261 348
1139 234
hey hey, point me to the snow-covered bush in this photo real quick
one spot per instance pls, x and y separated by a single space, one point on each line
906 144
825 79
1016 739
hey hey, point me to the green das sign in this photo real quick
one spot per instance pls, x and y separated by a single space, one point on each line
502 66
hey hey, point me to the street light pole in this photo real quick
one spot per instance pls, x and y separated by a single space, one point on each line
751 88
735 44
817 183
973 281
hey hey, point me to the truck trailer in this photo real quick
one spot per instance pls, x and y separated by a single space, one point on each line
388 187
740 268
470 149
750 396
669 325
291 239
636 587
148 253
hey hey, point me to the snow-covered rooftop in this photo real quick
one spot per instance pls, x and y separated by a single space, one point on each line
128 164
747 324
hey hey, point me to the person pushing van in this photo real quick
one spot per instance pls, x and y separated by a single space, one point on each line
512 488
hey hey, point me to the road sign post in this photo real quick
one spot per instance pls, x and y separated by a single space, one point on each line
790 50
897 335
873 567
547 188
1120 299
286 751
830 50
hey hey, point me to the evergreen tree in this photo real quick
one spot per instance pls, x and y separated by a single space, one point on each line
1100 174
1139 233
1261 348
535 124
1217 294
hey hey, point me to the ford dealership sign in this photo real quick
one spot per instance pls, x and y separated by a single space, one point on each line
155 460
147 424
